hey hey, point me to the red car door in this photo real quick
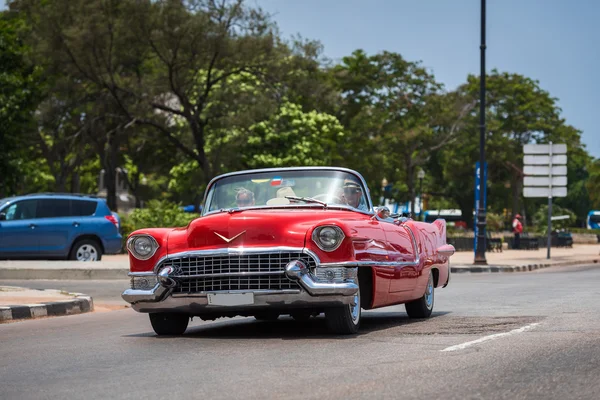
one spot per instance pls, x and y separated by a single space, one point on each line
402 252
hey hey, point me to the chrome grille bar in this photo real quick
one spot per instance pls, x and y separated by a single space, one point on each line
225 272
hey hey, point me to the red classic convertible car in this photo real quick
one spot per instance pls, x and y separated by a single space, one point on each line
297 241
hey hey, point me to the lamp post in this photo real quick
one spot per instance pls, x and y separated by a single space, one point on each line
384 183
480 250
420 175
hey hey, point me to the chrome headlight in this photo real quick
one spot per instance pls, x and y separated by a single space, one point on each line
328 238
142 247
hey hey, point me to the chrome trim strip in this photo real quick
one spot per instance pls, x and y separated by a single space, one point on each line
417 261
264 273
198 305
150 273
367 263
291 206
267 170
262 291
236 251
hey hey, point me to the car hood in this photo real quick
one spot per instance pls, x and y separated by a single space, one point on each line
253 228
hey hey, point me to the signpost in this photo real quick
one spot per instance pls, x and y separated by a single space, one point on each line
478 191
545 169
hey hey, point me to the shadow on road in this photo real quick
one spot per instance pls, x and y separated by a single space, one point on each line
286 328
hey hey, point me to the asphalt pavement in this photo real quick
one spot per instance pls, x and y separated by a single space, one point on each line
532 335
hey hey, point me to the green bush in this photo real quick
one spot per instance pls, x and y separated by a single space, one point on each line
156 214
495 222
540 218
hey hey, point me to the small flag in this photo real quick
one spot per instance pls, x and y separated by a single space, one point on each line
276 181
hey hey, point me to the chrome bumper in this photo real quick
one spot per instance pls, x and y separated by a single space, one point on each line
311 293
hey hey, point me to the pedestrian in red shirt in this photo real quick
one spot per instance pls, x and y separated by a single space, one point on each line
517 230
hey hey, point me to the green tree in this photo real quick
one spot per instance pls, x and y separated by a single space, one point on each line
397 113
19 95
293 137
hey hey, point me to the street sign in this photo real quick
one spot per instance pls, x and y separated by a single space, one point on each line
545 170
531 191
545 181
544 149
538 159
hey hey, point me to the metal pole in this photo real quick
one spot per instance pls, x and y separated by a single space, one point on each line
480 251
420 199
550 205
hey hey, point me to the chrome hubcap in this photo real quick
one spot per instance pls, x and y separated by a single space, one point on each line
429 293
87 252
355 308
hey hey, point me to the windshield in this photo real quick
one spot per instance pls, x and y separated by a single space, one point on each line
287 188
594 218
3 202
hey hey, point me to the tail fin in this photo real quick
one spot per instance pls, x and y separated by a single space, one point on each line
441 225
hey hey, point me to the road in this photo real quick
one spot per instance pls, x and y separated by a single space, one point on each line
546 346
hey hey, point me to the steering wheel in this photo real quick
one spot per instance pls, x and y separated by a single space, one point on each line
325 196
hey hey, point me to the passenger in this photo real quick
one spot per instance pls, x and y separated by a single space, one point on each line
353 195
244 197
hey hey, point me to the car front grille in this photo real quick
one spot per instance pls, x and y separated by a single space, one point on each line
255 271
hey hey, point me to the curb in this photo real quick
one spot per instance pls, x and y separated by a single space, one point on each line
82 303
516 268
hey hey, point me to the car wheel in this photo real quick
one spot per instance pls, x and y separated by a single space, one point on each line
301 316
422 307
266 317
86 250
169 323
344 320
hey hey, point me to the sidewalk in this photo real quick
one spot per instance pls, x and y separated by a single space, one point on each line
22 303
526 260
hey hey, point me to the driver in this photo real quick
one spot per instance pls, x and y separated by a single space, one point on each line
353 194
244 197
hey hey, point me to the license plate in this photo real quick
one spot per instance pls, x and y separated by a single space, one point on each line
230 299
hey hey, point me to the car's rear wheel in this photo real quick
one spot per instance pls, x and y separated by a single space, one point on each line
169 323
86 250
422 307
345 320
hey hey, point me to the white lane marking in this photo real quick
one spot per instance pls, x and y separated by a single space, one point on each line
490 337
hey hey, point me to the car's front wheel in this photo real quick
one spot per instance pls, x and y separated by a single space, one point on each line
86 250
422 307
345 320
169 323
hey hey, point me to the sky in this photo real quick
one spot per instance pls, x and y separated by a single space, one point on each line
556 42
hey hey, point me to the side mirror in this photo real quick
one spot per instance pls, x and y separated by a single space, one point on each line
2 217
382 212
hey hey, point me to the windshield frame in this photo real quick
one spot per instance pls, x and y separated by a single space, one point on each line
367 193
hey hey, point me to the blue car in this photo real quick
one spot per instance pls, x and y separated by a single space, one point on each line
75 227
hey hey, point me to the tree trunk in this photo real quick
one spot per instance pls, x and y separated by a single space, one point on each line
516 194
110 167
75 183
466 209
410 180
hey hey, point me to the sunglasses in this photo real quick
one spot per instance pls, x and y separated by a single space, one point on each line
351 191
242 202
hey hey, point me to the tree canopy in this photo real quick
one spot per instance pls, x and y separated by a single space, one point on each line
176 92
